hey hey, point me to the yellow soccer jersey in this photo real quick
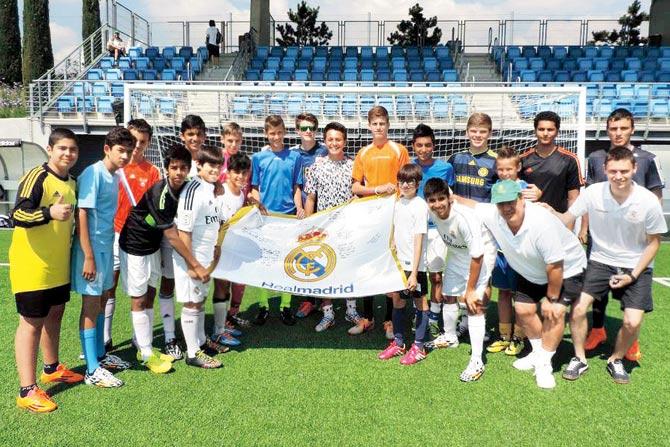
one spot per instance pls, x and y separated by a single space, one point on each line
39 256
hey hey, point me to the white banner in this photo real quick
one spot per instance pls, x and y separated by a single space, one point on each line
338 253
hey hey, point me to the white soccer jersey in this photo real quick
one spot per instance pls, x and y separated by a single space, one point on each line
230 203
619 231
541 240
410 218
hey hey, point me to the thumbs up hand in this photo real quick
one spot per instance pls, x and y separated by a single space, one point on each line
60 210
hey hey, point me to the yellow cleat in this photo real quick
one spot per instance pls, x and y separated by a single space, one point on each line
37 401
499 345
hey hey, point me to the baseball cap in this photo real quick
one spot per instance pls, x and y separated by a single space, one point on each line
505 191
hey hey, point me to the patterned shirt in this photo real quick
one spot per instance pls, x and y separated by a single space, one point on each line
475 174
331 182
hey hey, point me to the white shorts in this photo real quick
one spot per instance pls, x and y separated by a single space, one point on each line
167 269
187 289
139 272
115 250
436 251
455 277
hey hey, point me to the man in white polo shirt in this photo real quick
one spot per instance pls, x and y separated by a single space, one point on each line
626 223
550 262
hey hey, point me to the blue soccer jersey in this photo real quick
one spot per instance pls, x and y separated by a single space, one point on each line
98 192
438 169
474 174
275 174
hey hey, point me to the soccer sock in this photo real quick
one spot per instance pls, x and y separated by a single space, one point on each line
421 328
142 327
450 317
150 313
544 356
90 349
389 309
398 319
263 298
285 300
109 316
477 329
599 307
351 306
236 292
99 334
202 336
368 307
505 330
24 390
536 344
328 311
435 310
220 314
518 332
166 304
50 368
189 326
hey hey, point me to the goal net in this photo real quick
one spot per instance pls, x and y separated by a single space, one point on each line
445 108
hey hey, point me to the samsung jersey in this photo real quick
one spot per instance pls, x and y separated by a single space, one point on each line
474 174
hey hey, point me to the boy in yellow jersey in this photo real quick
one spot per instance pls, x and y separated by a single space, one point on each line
39 268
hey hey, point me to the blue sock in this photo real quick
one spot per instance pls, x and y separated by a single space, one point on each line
397 317
88 344
421 327
100 334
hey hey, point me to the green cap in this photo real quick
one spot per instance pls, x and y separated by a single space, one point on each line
505 191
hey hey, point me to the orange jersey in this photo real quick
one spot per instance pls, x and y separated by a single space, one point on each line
375 166
140 177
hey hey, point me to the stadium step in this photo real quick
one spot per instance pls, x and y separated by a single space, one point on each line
218 72
479 68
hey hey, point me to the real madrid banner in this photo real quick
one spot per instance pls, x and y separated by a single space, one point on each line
338 253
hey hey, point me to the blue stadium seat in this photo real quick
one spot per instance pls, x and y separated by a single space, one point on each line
269 75
561 76
590 52
318 75
527 76
152 52
276 52
383 74
545 76
536 63
292 52
273 63
95 74
351 52
169 74
660 91
602 107
553 64
413 64
584 64
196 66
100 89
450 76
142 63
440 107
262 52
277 104
285 75
607 52
321 51
117 89
159 64
422 106
570 65
642 91
442 52
202 53
528 51
125 62
647 75
104 104
331 105
350 75
617 64
416 76
397 51
664 51
663 63
287 64
595 75
167 106
621 52
659 108
130 75
613 76
304 64
113 74
367 64
560 53
520 63
430 63
633 63
427 52
446 64
433 76
629 76
575 51
301 75
608 91
307 53
333 75
336 53
169 52
663 76
381 53
382 63
135 52
178 63
294 104
398 63
106 62
626 91
66 104
186 53
579 76
85 104
601 64
149 75
513 53
350 63
399 75
335 65
367 75
252 75
240 105
319 64
459 108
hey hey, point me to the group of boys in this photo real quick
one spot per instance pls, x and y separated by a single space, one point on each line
167 231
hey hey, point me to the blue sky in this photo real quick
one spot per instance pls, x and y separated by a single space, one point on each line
66 14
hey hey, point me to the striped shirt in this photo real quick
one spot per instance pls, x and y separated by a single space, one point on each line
474 174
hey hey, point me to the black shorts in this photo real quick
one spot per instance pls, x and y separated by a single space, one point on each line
36 303
421 287
213 50
528 292
633 296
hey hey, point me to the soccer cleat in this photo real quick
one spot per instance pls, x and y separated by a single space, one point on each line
526 363
499 345
544 376
434 328
352 317
392 350
414 355
473 371
326 322
305 309
224 338
262 316
155 364
202 360
155 353
102 379
213 347
388 330
111 361
363 325
232 330
618 372
61 375
515 346
634 354
173 350
596 337
575 369
287 317
238 321
37 401
443 341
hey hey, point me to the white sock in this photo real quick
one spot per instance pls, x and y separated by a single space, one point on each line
544 356
166 304
450 317
351 306
189 326
477 329
142 328
536 344
220 313
202 337
109 315
328 311
150 312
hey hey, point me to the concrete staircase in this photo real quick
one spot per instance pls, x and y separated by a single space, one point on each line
477 67
218 72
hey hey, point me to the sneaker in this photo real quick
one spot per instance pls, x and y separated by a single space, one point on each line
287 316
473 371
634 354
111 361
224 338
544 376
202 360
388 330
596 337
352 317
232 330
305 309
443 341
102 378
363 325
434 328
238 321
392 350
499 345
155 363
173 350
414 355
326 322
213 347
575 369
515 347
37 401
618 372
61 375
262 316
526 363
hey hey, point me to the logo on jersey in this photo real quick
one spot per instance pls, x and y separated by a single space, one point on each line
312 260
483 172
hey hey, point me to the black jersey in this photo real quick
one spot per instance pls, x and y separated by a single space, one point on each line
648 170
143 231
555 175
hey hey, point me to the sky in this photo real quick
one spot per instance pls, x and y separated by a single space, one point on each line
65 15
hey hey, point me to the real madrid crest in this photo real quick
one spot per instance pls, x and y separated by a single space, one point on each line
312 260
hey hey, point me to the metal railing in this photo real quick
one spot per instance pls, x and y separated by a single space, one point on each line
236 72
127 21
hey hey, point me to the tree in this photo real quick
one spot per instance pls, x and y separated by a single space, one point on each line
90 22
629 34
10 44
38 55
306 33
414 32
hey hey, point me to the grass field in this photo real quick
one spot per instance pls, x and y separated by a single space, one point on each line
292 386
